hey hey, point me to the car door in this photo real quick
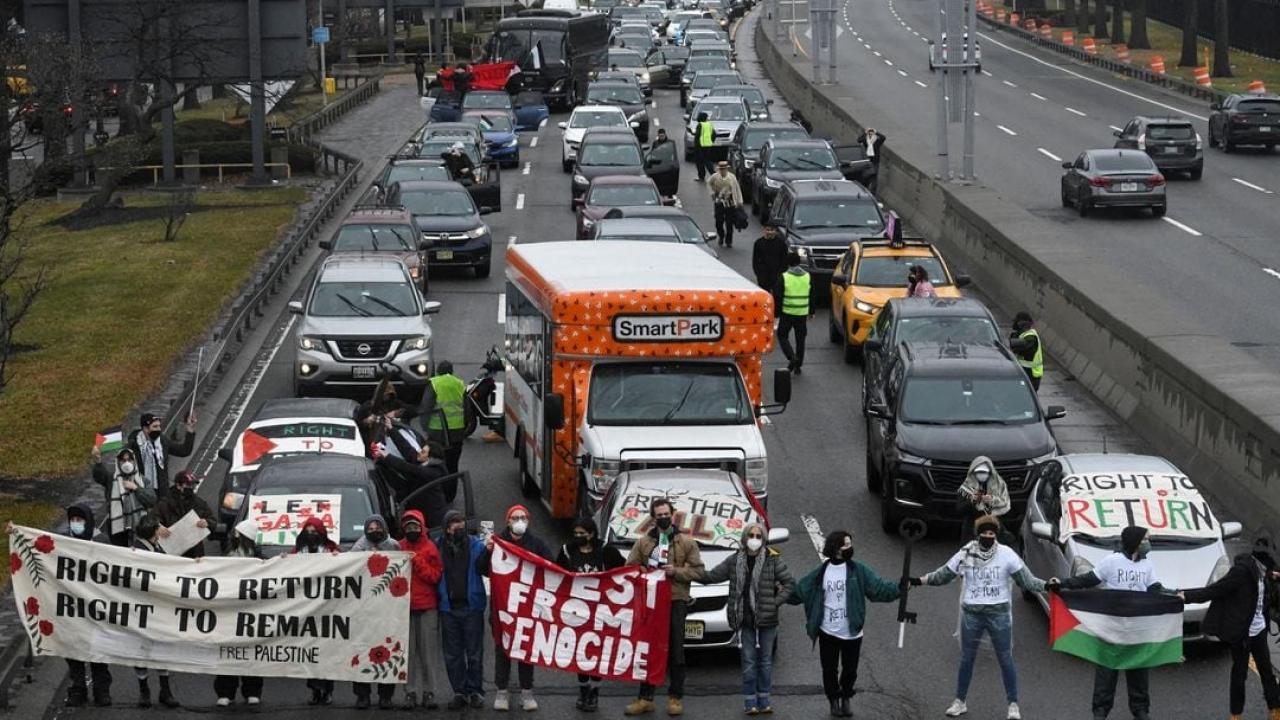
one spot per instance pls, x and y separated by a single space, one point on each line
1045 557
662 165
854 164
873 360
1128 137
1076 176
659 72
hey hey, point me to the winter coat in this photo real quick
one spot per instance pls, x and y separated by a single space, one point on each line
176 504
996 488
528 542
685 558
725 189
179 443
405 477
124 506
91 533
326 545
770 572
602 557
477 565
768 260
364 544
1233 600
427 568
861 584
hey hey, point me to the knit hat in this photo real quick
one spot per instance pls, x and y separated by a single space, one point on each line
1130 538
514 509
452 515
985 523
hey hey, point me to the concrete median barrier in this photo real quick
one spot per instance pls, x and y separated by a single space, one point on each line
1196 399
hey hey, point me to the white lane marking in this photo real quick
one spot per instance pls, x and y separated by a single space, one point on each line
865 45
1006 82
543 123
502 308
1251 186
527 167
1049 155
812 527
913 32
921 84
657 122
903 73
876 53
888 62
511 241
1273 273
1086 78
987 73
1074 111
533 143
1006 130
977 114
520 201
1185 228
1038 96
1117 129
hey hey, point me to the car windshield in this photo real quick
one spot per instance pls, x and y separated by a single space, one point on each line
675 52
494 123
355 508
1123 162
685 227
610 154
626 60
624 196
436 148
854 214
497 101
963 401
753 140
355 238
363 299
1170 132
802 158
708 80
965 330
438 202
713 516
1271 107
696 65
668 393
597 118
722 111
753 96
405 173
614 95
891 270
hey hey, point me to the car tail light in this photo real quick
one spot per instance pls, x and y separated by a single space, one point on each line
1199 142
1155 180
1142 141
1238 120
1100 182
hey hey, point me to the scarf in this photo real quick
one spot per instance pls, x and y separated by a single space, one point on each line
124 509
750 584
975 557
152 457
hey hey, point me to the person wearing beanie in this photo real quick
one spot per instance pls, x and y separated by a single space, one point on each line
424 622
463 601
985 606
1024 342
153 449
834 596
1238 616
1126 569
588 554
180 500
517 533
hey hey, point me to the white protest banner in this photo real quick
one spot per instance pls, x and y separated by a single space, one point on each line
323 615
710 518
1102 505
279 517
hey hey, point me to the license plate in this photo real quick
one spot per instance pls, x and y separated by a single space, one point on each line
444 255
1171 150
694 629
1265 128
1129 187
364 372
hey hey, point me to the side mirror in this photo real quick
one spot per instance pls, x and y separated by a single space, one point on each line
578 201
1215 106
1117 133
226 454
686 117
562 125
779 535
295 307
553 411
486 209
963 281
1231 530
424 244
325 245
781 386
652 162
768 101
879 410
431 307
872 345
1055 412
634 124
1067 164
1044 530
840 280
708 237
669 201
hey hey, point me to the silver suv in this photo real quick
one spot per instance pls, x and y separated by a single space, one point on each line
362 317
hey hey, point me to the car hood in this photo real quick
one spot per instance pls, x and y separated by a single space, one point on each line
1175 567
678 442
352 327
791 175
410 257
878 296
959 443
498 138
834 237
445 223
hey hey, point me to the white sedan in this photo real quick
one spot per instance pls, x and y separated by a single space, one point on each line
585 117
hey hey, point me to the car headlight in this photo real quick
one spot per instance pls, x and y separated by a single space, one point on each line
233 500
644 76
758 475
417 342
801 250
477 232
907 458
312 343
1220 569
579 180
748 164
511 143
771 183
864 306
603 473
558 85
1080 566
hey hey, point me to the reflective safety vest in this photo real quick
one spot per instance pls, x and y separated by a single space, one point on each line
795 293
706 134
449 391
1036 363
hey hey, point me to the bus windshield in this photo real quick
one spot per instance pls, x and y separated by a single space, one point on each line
668 393
516 46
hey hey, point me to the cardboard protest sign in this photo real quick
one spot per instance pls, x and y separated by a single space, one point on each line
280 517
709 518
1102 505
335 616
611 624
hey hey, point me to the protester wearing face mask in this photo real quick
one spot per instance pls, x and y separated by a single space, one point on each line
153 450
462 604
424 623
145 538
80 526
835 596
759 582
128 495
987 567
180 500
983 492
314 538
1126 569
517 533
375 538
587 553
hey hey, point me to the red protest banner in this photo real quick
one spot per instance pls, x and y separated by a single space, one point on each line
492 76
611 624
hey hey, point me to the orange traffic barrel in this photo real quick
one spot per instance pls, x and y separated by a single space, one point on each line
1157 64
1000 15
1090 46
1046 31
1202 77
1257 88
1068 38
1014 19
1122 53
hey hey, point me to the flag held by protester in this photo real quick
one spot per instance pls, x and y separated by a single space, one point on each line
109 440
1117 629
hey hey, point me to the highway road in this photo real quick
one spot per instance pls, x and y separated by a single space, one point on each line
817 485
1213 259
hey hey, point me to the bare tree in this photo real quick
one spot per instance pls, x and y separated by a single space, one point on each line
1138 25
1190 33
1221 39
19 284
1117 22
1100 19
177 210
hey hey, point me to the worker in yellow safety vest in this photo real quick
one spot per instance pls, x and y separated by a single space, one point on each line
704 139
444 417
794 311
1024 341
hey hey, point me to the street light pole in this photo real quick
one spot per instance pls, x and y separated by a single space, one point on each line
957 19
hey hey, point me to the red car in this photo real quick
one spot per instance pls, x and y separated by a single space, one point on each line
610 191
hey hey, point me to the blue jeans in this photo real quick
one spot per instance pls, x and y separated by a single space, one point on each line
999 625
757 665
463 640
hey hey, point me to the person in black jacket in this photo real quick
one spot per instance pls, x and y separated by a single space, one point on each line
80 525
769 258
180 500
406 477
420 72
516 532
1237 616
588 554
145 539
153 449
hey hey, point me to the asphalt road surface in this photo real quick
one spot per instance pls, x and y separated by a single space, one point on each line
817 484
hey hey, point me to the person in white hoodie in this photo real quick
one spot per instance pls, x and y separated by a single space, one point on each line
983 492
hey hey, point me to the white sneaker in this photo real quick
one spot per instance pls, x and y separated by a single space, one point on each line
1014 712
957 708
502 701
527 703
253 700
223 702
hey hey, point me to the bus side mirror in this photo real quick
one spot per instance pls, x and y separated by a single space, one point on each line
781 386
553 411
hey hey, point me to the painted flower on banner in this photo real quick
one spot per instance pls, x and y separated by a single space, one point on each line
403 676
355 660
15 563
32 607
378 564
399 586
733 523
379 654
46 628
44 544
384 662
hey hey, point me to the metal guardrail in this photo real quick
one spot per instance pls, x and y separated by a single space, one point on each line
156 169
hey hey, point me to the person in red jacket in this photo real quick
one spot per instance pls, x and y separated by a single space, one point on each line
314 538
424 626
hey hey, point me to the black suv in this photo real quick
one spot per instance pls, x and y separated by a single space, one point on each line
935 410
744 148
1245 120
1172 142
820 218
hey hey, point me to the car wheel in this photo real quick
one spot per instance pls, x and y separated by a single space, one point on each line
833 332
1158 211
1066 201
852 353
1084 207
482 270
1196 173
566 165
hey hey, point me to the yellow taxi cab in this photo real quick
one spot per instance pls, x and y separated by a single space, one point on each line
872 271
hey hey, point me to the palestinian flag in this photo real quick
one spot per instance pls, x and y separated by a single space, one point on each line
1117 629
109 440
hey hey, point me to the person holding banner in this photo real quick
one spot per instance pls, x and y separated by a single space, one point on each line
424 623
834 596
80 526
462 604
517 533
665 547
314 538
180 500
144 538
242 545
375 538
759 582
588 554
153 449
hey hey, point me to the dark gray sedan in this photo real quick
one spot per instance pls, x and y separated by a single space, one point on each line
1113 178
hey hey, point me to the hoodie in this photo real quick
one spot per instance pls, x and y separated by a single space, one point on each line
995 487
326 545
364 544
91 532
427 567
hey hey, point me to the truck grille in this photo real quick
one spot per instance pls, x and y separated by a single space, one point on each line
733 466
707 604
947 477
372 349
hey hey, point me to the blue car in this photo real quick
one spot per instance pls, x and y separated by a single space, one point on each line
499 130
447 107
531 110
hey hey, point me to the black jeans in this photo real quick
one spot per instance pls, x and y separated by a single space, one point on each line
385 690
702 158
798 324
225 686
724 224
839 660
675 653
1104 691
502 671
100 673
1240 652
